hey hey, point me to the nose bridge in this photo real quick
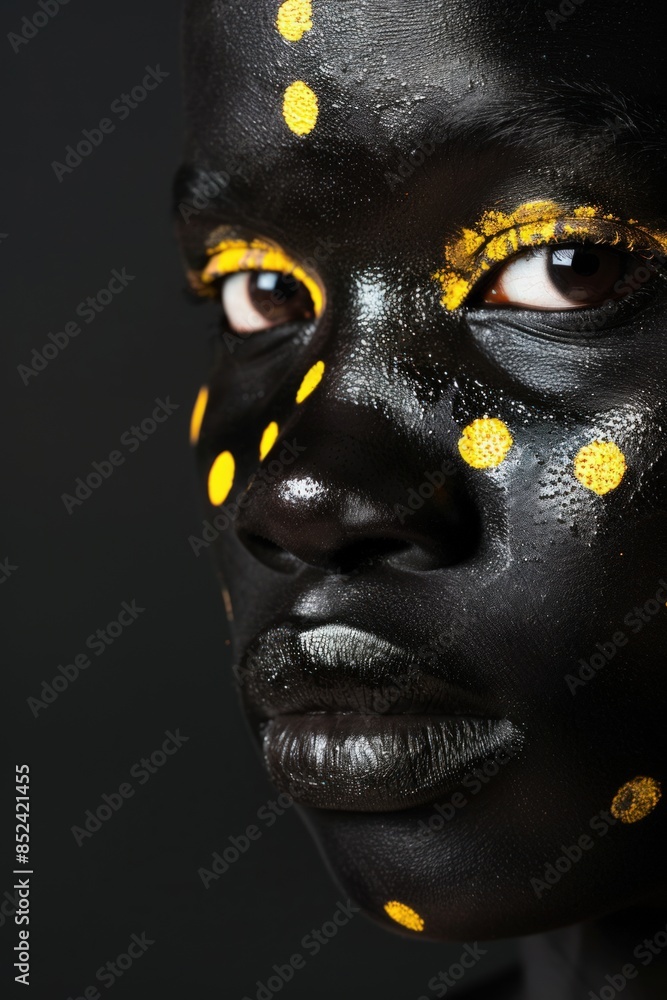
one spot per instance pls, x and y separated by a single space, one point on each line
375 479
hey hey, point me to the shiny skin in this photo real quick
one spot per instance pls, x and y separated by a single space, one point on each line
511 575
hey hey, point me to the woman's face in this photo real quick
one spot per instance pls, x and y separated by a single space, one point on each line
433 448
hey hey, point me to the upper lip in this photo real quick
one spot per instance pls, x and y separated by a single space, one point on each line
336 668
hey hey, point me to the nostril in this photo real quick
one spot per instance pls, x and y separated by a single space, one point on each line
269 553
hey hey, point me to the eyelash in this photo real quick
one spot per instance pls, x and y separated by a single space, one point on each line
494 242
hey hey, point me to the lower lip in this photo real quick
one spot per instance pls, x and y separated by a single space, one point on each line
374 763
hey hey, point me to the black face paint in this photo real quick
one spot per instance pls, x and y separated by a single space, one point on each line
439 475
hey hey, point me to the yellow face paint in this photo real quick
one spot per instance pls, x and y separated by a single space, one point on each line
310 381
269 438
636 799
233 255
294 19
600 466
404 915
198 412
221 478
485 442
300 107
498 235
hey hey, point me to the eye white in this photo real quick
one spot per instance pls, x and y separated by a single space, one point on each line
241 314
525 281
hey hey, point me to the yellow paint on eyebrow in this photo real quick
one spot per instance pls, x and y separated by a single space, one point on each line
198 411
404 915
310 381
221 478
485 443
233 255
300 108
498 235
269 438
294 19
636 799
600 466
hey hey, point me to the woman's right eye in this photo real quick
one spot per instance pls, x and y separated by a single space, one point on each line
258 300
577 276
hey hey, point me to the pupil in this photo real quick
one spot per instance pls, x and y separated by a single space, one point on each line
585 275
279 286
583 262
279 297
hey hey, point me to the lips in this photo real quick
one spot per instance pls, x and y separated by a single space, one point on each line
350 721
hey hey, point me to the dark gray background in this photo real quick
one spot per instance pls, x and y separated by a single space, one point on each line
129 540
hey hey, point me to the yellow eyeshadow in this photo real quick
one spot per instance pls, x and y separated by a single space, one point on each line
636 799
600 466
498 235
269 438
221 478
300 108
485 443
233 255
404 915
294 19
198 412
310 381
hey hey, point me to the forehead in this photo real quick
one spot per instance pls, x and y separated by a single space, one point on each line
384 76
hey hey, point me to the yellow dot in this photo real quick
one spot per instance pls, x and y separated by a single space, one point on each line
636 799
198 412
600 466
300 108
220 478
294 19
311 380
404 915
485 442
269 438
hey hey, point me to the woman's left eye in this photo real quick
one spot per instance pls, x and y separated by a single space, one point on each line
258 300
577 276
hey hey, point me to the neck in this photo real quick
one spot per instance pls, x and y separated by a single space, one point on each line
622 954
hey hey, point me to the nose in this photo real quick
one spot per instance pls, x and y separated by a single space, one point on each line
359 494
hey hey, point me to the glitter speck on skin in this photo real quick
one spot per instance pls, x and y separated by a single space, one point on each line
636 799
269 438
198 412
600 466
294 19
404 915
310 381
485 442
300 108
221 478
